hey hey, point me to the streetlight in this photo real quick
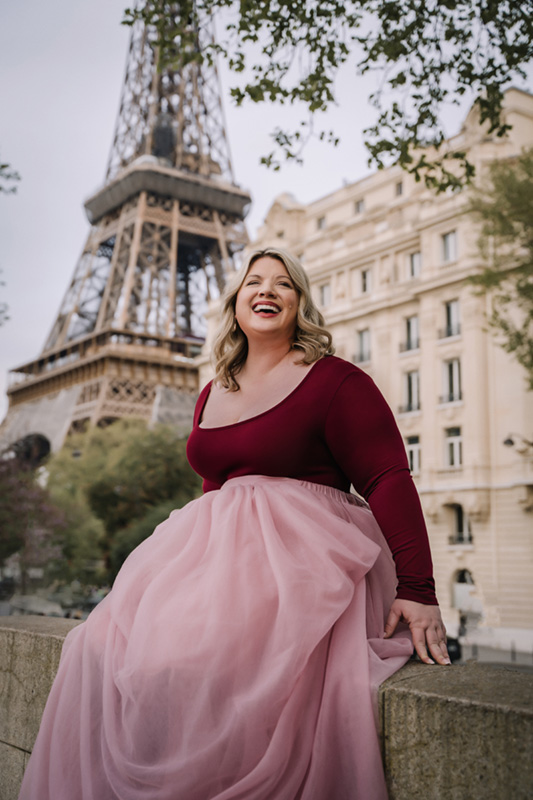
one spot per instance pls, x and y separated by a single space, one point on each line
522 445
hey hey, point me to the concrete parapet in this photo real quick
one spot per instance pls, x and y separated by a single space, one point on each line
458 733
449 733
30 648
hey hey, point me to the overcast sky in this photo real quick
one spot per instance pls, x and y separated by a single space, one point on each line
61 69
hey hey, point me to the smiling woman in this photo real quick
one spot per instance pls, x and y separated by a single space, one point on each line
238 653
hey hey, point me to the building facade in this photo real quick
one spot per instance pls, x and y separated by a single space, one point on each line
388 262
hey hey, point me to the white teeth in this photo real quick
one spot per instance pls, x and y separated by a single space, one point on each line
265 307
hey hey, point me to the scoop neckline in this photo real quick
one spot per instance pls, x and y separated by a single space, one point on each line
256 416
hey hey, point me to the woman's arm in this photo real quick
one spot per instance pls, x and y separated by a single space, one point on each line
365 441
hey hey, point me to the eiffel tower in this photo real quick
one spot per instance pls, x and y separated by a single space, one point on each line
166 229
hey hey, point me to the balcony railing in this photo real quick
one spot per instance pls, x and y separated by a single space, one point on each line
410 344
405 409
450 330
450 397
461 538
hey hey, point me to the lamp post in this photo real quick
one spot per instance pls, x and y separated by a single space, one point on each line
519 442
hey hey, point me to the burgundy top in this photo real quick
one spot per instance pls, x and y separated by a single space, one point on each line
334 428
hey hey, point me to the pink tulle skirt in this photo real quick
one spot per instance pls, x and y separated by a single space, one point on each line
237 657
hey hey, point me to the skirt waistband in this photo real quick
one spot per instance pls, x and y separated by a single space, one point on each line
319 488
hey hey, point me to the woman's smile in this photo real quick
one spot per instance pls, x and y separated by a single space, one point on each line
266 308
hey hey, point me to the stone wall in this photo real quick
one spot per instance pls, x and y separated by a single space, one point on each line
449 733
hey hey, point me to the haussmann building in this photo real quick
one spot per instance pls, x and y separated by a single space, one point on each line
389 261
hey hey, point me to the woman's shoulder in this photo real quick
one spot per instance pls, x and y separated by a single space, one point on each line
337 379
338 369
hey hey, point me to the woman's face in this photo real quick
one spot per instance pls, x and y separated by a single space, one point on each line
267 302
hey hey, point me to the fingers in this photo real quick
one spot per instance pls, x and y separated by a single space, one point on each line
438 650
419 641
435 641
392 622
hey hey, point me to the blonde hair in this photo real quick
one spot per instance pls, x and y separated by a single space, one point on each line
230 349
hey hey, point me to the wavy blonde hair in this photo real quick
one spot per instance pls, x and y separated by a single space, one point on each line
230 349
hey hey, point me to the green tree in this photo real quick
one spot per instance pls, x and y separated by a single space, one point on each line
81 538
70 473
137 531
429 53
503 205
152 468
113 477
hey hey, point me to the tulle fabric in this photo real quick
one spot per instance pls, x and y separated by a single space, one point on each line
236 657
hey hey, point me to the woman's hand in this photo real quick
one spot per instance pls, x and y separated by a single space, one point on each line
426 626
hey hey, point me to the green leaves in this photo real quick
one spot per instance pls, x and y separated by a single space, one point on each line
108 480
504 207
430 53
7 176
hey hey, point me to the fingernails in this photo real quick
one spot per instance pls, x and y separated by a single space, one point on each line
447 661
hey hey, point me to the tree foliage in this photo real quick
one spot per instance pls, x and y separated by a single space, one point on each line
504 207
3 308
127 539
7 177
151 467
114 477
429 54
30 524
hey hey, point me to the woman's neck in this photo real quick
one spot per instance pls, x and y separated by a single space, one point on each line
261 360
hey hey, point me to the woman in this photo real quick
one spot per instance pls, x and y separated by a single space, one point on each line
238 652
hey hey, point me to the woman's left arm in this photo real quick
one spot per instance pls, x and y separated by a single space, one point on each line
365 441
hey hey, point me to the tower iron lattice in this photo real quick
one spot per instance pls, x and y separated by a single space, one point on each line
167 228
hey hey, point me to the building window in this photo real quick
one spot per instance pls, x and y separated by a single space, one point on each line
452 318
366 281
399 189
412 341
453 447
449 246
359 206
411 392
325 294
413 454
321 223
461 528
363 346
415 264
451 381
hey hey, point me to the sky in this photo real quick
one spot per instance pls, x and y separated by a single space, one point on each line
61 69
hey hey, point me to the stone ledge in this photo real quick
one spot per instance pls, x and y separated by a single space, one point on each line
448 733
458 733
30 648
